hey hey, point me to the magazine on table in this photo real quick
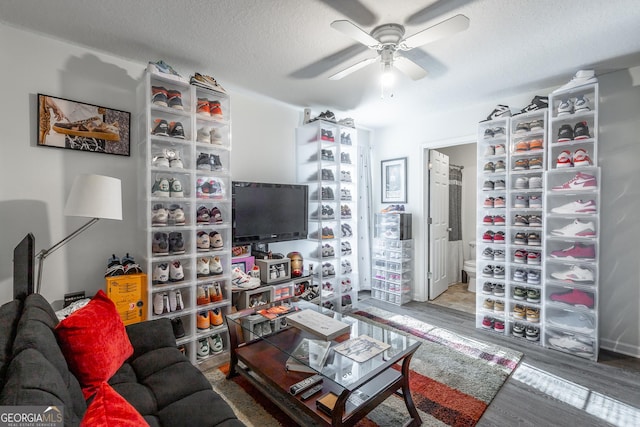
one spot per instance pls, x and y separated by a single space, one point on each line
318 324
309 356
361 348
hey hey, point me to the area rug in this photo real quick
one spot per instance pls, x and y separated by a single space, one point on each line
453 379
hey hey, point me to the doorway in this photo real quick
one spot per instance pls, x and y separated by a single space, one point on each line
451 232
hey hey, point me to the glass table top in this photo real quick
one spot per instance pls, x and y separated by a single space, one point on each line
327 358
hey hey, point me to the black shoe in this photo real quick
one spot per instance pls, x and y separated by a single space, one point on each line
328 116
499 111
214 162
203 161
178 328
537 103
565 133
581 131
176 130
161 128
176 243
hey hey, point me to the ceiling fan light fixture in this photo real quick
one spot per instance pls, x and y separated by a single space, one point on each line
387 77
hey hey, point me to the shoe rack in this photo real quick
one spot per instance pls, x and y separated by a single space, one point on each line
572 223
392 258
326 155
184 194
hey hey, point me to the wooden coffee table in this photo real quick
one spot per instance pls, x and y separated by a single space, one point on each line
360 387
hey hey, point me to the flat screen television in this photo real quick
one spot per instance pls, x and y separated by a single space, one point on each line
265 212
23 267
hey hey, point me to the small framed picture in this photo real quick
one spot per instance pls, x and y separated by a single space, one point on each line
394 180
63 123
241 265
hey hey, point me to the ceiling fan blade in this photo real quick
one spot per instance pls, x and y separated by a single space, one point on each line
410 68
358 34
351 69
443 29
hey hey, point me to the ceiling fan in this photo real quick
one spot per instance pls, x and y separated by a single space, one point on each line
388 41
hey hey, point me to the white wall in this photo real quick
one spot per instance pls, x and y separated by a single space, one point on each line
36 180
619 152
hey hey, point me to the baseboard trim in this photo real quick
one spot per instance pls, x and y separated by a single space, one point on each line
622 348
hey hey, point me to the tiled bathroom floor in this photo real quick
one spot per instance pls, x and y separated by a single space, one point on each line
458 298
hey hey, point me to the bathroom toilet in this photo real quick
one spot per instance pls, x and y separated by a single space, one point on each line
469 267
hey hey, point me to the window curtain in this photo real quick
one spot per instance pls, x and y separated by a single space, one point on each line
456 253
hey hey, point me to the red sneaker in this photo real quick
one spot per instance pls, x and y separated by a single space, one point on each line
575 297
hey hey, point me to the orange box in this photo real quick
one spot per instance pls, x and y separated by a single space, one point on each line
129 293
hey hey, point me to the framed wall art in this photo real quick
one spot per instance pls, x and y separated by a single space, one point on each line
394 180
63 123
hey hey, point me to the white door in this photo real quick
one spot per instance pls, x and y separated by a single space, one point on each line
438 222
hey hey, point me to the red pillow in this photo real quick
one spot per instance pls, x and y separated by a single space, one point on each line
94 342
109 409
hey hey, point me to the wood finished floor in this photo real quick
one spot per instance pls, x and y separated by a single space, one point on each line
610 386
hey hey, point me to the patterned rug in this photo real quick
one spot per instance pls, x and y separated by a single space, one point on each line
453 379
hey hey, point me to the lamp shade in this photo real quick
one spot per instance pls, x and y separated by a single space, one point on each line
95 196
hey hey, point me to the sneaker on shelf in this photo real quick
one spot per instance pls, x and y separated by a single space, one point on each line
487 322
215 136
160 160
581 131
203 267
520 239
565 107
499 202
533 278
574 297
520 202
582 77
215 344
581 181
520 275
160 274
532 315
581 104
535 221
521 221
537 125
518 330
489 167
215 109
499 185
498 272
537 103
498 255
521 183
573 345
535 202
176 272
489 150
114 267
159 96
577 207
202 241
533 258
176 243
535 182
533 295
533 239
498 325
203 215
500 166
581 158
576 252
521 164
176 130
488 236
532 333
326 115
164 69
130 266
498 132
176 188
519 293
536 144
178 328
203 107
176 215
175 99
158 303
206 82
487 288
215 317
488 185
487 271
498 238
564 160
518 311
242 281
489 202
161 128
203 348
215 241
500 150
520 256
487 220
521 146
347 121
498 290
487 254
574 274
535 163
570 320
203 135
522 127
160 244
499 220
159 216
576 228
215 266
499 111
565 133
488 134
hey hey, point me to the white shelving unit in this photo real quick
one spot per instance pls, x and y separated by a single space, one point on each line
572 224
169 221
326 153
392 258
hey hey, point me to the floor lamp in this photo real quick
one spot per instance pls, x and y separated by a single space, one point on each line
92 196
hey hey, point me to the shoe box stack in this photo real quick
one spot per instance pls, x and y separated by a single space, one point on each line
326 154
572 222
538 222
185 206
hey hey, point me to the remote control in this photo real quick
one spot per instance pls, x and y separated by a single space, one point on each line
301 386
313 390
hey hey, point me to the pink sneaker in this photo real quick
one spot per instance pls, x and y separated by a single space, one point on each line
576 252
575 297
581 181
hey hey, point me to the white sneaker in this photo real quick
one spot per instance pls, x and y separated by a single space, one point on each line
500 150
215 344
203 267
574 274
204 135
241 280
572 344
582 77
159 216
176 215
203 241
576 229
179 302
203 348
581 104
577 207
160 274
158 303
176 272
215 136
215 266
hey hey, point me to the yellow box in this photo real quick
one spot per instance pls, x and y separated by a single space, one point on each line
129 293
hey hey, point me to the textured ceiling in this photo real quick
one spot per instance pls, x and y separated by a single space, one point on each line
285 49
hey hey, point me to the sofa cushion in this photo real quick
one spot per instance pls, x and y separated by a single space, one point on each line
94 342
9 317
126 384
109 409
33 380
